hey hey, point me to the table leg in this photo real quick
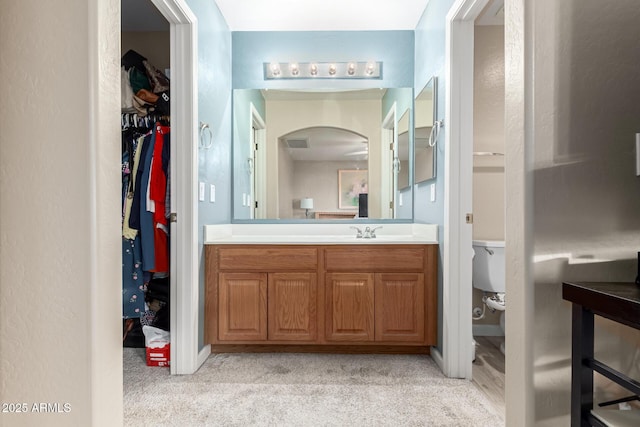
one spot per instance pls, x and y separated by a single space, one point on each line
581 375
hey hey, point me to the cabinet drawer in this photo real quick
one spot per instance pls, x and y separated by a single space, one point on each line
374 259
267 258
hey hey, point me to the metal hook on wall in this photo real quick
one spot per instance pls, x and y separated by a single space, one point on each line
435 132
205 127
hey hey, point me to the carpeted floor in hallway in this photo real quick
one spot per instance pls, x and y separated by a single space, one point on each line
280 389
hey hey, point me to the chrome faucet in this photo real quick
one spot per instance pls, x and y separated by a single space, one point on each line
370 233
358 232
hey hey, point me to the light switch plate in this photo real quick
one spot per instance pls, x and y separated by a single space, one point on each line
201 192
244 199
433 192
400 199
212 193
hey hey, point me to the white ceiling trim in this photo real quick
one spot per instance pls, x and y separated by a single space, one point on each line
321 15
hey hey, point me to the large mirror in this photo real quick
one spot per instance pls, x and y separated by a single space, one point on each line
316 155
425 136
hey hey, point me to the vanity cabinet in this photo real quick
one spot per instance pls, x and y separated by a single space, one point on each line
384 303
321 296
245 313
377 307
259 295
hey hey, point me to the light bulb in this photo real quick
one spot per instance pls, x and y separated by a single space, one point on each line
332 69
294 69
370 68
313 70
275 68
351 70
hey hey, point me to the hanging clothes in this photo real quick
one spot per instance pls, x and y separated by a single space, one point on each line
132 279
132 275
141 219
157 197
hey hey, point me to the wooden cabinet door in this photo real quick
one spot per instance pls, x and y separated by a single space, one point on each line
292 306
349 307
242 307
400 312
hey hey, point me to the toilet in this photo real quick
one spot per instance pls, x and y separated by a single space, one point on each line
488 276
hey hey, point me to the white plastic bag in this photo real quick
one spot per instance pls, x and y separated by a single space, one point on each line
155 337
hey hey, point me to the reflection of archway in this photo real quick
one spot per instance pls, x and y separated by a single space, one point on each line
308 164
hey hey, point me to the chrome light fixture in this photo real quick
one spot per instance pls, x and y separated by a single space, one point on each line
322 70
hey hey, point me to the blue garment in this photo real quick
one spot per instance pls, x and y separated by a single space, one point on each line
147 231
132 279
134 218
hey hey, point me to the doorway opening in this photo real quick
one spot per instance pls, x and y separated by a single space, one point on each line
182 219
458 345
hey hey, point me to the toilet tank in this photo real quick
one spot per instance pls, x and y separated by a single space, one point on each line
488 265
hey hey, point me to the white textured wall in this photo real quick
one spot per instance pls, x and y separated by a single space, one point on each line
488 136
572 117
60 267
361 116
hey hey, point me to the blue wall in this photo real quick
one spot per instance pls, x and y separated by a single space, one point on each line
430 61
253 48
214 108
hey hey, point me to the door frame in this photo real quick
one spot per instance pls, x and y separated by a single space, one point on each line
389 136
259 137
184 292
457 346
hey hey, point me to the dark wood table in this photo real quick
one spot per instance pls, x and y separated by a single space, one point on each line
619 302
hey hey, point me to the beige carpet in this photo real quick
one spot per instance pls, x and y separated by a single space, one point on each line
302 390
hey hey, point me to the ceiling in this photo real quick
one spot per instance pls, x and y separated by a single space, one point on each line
291 15
308 15
321 15
321 144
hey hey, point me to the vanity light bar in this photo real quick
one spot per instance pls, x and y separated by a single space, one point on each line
322 70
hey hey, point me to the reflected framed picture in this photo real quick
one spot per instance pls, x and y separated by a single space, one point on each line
351 183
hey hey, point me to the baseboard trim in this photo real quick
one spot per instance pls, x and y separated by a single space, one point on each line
203 355
341 349
437 357
487 331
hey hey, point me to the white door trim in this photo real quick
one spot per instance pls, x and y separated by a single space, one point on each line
260 138
389 136
458 180
184 164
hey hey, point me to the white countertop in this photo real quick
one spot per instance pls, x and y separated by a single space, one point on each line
324 234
